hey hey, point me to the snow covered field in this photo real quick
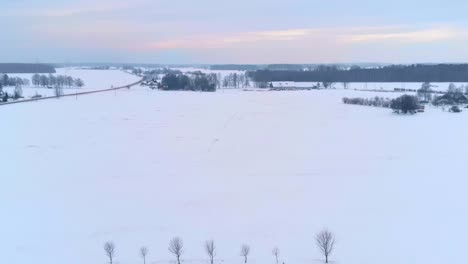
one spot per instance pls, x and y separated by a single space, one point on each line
264 168
93 79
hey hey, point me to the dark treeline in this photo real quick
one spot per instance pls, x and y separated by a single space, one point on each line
190 82
394 73
247 67
404 104
26 68
287 67
5 80
56 81
235 67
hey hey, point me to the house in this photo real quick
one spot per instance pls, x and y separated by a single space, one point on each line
451 98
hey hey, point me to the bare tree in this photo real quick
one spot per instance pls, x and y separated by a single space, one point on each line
275 253
245 250
143 253
325 242
175 247
109 247
210 249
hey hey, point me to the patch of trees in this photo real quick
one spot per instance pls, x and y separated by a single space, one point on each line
425 93
26 68
161 71
324 240
285 67
235 80
12 81
190 82
450 98
235 67
393 73
405 104
453 96
376 101
56 81
17 94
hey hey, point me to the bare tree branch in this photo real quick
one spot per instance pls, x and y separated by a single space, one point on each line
245 250
143 253
275 253
325 242
210 249
109 247
175 247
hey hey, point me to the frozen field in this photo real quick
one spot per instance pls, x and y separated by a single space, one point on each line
93 79
264 168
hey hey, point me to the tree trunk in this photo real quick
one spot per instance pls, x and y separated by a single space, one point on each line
245 259
178 259
326 259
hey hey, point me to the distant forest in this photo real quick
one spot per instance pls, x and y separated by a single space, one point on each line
286 67
26 68
393 73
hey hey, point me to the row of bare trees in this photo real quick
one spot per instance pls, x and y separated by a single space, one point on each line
325 242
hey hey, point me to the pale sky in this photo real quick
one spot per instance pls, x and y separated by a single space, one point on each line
241 31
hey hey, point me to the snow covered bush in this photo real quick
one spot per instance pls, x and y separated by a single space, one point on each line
455 109
18 92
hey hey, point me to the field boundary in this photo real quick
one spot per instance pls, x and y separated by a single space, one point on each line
74 94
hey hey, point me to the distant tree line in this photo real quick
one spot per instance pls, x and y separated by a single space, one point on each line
375 101
59 81
26 68
235 80
235 67
288 67
197 81
250 67
393 73
12 81
324 240
158 71
404 104
453 98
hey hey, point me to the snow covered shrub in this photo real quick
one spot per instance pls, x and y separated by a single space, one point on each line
36 95
455 109
18 93
5 97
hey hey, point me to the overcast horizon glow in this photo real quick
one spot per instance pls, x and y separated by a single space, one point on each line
255 31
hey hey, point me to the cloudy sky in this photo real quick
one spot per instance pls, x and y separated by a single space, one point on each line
240 31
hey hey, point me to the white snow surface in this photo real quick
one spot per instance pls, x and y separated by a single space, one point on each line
139 167
93 80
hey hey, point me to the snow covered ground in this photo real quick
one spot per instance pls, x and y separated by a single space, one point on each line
93 79
264 168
